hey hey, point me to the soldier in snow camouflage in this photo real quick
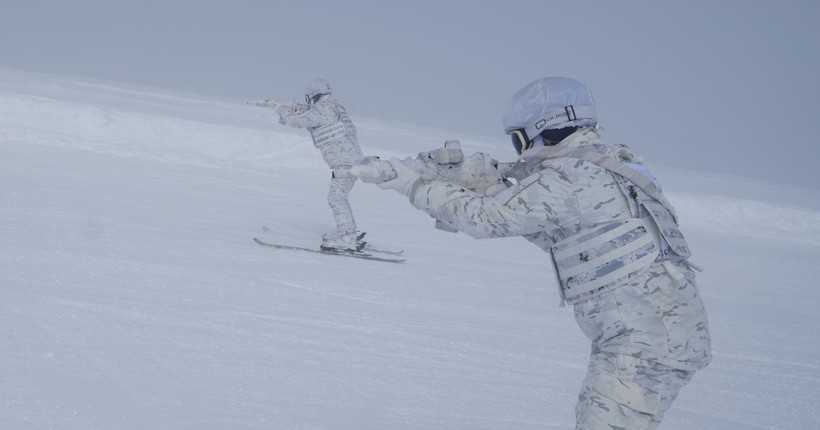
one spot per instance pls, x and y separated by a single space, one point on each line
613 238
335 136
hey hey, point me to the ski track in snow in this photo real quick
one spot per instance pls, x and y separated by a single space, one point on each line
133 296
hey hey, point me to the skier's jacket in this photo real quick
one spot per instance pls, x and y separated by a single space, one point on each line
597 211
330 128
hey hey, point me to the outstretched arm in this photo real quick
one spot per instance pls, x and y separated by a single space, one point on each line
300 115
481 213
283 109
273 104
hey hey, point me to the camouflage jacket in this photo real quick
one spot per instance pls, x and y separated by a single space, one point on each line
561 204
331 129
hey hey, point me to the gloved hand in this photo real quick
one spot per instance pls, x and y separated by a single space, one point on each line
284 109
450 154
373 170
479 173
407 180
392 175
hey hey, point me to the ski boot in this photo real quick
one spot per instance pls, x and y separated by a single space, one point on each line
350 242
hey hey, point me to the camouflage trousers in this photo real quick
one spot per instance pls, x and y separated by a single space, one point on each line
621 392
648 338
337 200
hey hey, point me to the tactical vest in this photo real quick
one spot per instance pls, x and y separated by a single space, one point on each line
607 255
338 129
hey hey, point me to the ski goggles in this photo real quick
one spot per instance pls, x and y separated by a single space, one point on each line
312 100
520 140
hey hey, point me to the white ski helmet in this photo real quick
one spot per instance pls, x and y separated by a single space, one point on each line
547 104
317 88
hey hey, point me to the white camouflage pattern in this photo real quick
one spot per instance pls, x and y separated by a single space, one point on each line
335 136
649 333
341 152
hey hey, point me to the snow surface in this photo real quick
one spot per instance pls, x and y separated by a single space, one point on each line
133 297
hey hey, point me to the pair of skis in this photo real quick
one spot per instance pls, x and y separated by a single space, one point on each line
367 253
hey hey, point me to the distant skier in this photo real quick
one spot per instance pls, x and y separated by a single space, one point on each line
335 136
613 238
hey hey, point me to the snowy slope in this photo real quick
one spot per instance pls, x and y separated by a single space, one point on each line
132 295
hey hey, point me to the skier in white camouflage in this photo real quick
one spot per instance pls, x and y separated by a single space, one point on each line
335 136
613 238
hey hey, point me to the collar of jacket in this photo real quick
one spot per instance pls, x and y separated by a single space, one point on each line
530 161
582 137
586 144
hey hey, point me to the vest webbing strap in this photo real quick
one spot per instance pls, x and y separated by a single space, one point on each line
581 246
573 294
590 242
618 252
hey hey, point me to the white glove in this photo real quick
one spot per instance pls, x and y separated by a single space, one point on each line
392 175
479 173
284 109
407 180
450 154
373 170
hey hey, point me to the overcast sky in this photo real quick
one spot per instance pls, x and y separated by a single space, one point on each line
718 86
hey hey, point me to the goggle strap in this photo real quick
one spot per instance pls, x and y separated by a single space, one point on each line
570 113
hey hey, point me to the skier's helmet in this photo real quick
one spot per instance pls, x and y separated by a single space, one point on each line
547 110
315 89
